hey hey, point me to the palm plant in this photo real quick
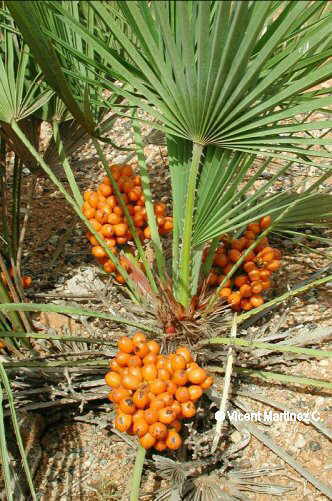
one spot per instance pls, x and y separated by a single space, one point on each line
220 110
231 85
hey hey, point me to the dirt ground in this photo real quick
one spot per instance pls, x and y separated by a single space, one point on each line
87 461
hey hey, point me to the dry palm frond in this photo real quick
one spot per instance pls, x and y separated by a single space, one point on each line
205 488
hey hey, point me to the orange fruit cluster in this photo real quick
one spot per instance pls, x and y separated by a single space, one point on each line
244 291
104 211
153 392
26 280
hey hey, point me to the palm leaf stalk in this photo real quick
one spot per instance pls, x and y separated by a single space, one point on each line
6 385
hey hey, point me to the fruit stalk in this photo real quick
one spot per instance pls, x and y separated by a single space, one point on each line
137 474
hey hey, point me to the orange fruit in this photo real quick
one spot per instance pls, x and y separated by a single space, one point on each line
220 260
166 415
241 280
138 337
147 441
168 224
109 267
178 362
159 209
131 382
225 292
26 281
207 383
249 257
121 240
89 212
140 398
125 344
140 427
134 361
234 255
188 409
195 392
254 227
119 278
122 422
127 405
150 358
254 275
120 229
171 387
264 274
113 379
95 224
157 404
256 301
246 304
173 440
86 195
114 219
118 394
176 406
98 251
249 266
138 220
107 230
185 353
273 265
141 349
256 287
197 375
105 190
158 430
118 210
245 290
234 298
158 386
160 445
101 216
111 202
166 397
138 415
265 222
147 232
164 374
266 284
151 415
93 200
182 394
180 377
153 347
149 372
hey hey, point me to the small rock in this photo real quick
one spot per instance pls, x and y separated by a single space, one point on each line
323 363
236 436
314 446
300 442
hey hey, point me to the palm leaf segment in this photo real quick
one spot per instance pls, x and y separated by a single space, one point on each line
232 74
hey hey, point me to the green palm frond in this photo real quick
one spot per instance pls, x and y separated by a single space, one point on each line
22 89
222 73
